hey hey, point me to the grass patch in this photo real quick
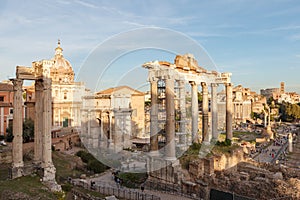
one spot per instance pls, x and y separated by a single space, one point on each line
221 149
65 166
26 186
191 154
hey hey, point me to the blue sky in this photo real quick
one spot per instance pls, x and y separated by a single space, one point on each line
258 41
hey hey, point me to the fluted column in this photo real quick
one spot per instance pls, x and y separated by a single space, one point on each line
47 121
214 111
182 105
153 117
17 143
195 136
38 122
228 111
170 119
205 136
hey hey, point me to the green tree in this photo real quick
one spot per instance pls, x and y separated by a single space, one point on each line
289 112
28 131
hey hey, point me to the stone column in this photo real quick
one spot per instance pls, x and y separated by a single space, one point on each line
17 143
38 122
153 117
205 136
182 105
214 111
170 120
195 136
228 111
46 123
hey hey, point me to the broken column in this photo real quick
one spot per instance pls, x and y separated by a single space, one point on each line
17 143
214 111
205 136
170 119
228 111
195 136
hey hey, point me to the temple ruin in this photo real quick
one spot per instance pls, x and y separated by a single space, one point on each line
40 73
168 83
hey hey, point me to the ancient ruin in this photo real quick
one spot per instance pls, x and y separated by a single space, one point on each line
168 82
40 73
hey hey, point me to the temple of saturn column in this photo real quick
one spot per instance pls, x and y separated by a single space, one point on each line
40 73
173 78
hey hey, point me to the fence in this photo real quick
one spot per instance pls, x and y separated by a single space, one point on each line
173 189
124 193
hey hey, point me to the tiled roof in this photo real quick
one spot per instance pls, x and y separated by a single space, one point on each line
112 90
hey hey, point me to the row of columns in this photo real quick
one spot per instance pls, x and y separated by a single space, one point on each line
170 114
42 132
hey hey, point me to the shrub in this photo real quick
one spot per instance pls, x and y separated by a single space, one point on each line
96 166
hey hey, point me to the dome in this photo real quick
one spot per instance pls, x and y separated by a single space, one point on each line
60 61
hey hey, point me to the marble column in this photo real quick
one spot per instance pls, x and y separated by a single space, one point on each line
153 117
38 122
170 120
182 105
46 123
195 136
205 136
17 143
214 111
228 111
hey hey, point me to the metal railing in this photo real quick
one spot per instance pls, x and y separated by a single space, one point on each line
121 192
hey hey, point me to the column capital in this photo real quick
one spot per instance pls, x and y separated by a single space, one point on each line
39 85
17 84
203 84
192 83
228 84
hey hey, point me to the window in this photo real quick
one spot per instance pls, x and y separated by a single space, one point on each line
1 98
65 95
11 111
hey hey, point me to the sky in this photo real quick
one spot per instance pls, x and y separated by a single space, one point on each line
107 41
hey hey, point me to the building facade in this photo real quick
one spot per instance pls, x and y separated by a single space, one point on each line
6 106
66 93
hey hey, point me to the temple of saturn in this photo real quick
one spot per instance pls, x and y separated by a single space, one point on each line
174 78
40 73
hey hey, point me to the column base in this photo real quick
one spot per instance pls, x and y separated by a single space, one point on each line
16 172
49 178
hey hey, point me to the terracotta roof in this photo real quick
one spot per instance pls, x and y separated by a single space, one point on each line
6 87
112 90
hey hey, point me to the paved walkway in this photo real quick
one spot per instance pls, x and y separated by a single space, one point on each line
106 179
268 154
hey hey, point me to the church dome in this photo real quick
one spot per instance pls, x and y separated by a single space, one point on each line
60 61
61 72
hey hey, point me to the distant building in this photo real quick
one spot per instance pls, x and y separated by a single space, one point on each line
245 101
280 95
6 106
